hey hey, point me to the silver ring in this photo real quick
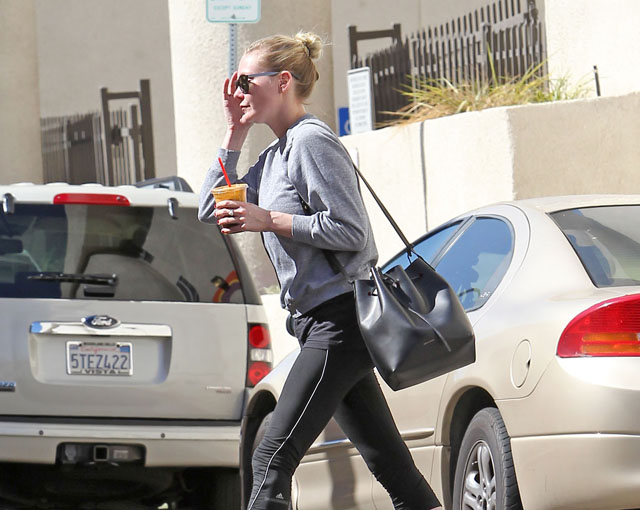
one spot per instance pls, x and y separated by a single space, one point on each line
231 212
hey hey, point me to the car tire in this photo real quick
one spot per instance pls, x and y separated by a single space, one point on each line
262 429
485 476
223 491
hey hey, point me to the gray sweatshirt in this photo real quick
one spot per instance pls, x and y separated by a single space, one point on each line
310 163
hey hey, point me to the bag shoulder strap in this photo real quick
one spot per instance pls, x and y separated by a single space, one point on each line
384 209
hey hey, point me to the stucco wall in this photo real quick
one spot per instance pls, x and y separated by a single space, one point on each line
20 156
595 32
575 147
469 160
84 45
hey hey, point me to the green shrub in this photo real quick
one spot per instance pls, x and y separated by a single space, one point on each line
430 99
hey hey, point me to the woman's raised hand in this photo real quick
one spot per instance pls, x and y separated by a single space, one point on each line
236 131
231 103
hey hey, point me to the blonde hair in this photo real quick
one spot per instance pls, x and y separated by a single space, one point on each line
294 54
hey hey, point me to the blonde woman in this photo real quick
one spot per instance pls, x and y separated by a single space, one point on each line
303 197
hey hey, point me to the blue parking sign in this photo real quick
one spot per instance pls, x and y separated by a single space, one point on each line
344 128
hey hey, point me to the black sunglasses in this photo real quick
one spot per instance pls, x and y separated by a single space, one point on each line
243 80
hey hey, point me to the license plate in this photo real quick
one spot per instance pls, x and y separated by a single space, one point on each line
99 358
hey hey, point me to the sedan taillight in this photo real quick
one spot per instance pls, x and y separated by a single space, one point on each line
260 359
610 328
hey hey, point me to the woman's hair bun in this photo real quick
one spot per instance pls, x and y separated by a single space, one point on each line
312 43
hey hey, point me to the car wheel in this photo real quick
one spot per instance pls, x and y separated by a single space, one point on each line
262 429
220 490
485 477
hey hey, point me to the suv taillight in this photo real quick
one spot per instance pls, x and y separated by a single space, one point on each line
91 199
260 355
610 328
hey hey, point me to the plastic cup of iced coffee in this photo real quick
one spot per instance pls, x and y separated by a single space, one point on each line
237 191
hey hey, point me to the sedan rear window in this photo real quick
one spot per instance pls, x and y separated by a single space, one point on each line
118 253
607 241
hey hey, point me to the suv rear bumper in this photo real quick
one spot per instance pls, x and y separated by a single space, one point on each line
165 445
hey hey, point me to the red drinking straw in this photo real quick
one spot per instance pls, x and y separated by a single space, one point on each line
224 172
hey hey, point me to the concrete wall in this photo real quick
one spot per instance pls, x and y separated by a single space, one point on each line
576 147
84 45
472 159
20 156
595 32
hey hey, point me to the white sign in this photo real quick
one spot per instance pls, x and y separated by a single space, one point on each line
233 11
361 105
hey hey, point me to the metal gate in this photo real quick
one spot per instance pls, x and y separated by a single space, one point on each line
72 149
128 136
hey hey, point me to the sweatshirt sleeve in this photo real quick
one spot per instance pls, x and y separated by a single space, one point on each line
215 177
321 170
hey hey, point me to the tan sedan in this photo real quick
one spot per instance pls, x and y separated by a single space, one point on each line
547 417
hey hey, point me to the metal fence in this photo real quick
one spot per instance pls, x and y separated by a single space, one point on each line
113 147
72 148
502 40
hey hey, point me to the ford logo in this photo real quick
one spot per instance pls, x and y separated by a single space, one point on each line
100 321
8 386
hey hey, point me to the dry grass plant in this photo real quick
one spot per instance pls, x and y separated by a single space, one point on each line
430 99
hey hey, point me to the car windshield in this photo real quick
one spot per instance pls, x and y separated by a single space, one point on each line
119 253
607 240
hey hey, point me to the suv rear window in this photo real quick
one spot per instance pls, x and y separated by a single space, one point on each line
72 251
607 240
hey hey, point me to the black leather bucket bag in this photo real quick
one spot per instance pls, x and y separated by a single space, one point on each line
413 324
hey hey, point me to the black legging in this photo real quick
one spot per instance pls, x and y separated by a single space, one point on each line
333 376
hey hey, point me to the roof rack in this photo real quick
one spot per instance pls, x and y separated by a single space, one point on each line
174 183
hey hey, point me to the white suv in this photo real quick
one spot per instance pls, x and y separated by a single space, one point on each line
131 337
